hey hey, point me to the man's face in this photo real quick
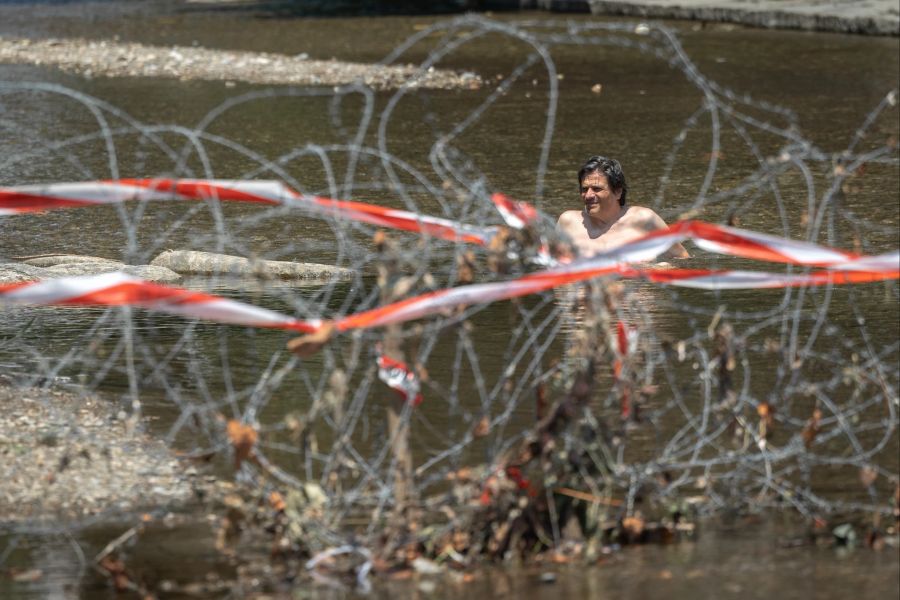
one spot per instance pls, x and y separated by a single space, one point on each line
597 196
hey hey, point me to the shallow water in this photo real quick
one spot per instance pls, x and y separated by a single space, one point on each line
831 81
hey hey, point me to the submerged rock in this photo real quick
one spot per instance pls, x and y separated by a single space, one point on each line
20 273
146 272
169 267
190 262
152 273
51 260
68 265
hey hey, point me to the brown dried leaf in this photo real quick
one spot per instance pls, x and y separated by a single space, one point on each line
276 501
811 429
765 412
243 438
875 540
403 286
379 240
116 570
541 402
401 575
633 526
295 425
307 345
482 427
465 267
497 260
463 474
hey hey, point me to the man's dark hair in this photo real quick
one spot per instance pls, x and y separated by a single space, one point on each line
609 167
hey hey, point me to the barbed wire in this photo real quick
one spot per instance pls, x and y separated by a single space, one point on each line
592 403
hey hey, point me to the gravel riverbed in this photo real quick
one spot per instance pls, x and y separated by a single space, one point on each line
110 58
71 456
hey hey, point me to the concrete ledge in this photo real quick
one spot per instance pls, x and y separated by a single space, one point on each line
874 17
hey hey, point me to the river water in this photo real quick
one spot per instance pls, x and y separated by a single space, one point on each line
831 82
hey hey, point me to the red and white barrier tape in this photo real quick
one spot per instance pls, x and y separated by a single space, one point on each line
397 376
626 342
119 289
744 244
517 215
841 267
714 238
37 198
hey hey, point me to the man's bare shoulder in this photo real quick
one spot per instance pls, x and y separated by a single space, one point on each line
569 217
641 212
644 218
571 222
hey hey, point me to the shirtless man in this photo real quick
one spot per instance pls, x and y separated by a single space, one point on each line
606 221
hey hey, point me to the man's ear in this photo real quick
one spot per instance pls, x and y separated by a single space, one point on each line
618 195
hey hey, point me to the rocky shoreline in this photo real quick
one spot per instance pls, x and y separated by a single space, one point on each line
108 58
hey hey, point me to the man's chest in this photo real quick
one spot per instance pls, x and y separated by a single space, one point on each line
593 241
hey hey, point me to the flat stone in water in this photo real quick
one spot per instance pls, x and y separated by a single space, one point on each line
191 262
20 273
65 265
147 272
51 260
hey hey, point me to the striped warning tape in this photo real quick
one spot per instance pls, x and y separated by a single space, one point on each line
838 267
